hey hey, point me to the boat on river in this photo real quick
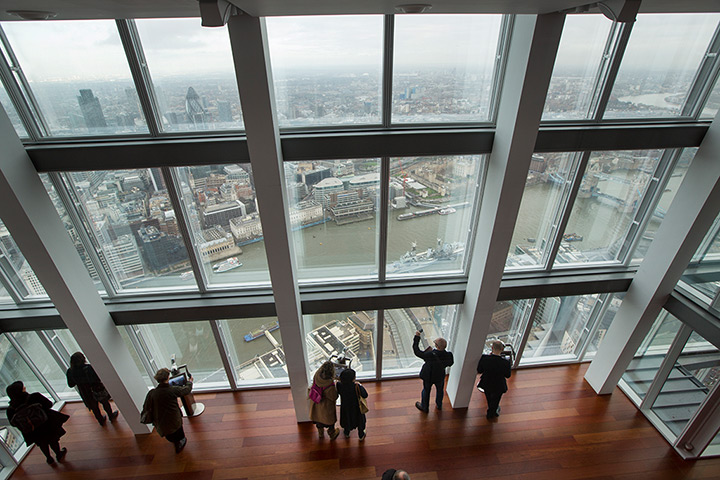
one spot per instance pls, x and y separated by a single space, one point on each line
259 332
226 265
413 260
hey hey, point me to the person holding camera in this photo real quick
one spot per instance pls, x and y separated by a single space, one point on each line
432 371
493 370
162 410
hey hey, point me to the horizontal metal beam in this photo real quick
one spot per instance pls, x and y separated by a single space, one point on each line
27 319
564 284
174 152
700 320
705 272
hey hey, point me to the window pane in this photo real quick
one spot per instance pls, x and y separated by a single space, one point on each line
559 329
433 202
17 269
443 67
612 188
5 298
14 368
326 70
333 208
193 344
48 366
508 323
255 346
135 355
644 366
223 217
400 327
351 334
9 108
694 374
192 72
659 64
79 74
579 57
546 191
131 221
713 103
703 272
614 301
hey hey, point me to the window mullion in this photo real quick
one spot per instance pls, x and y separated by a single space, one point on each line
141 74
183 226
384 217
526 332
595 319
567 211
387 75
18 89
499 66
379 334
10 287
608 80
702 85
60 359
666 367
228 364
148 362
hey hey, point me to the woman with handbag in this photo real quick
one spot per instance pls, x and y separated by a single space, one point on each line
353 404
322 395
92 391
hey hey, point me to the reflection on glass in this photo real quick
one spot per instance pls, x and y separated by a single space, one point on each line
559 329
649 356
713 103
79 75
192 72
72 232
350 335
400 327
664 202
48 366
546 189
433 202
131 221
192 343
659 64
611 191
333 215
694 374
443 67
255 347
11 112
579 57
224 220
326 70
508 323
14 368
703 272
135 356
17 269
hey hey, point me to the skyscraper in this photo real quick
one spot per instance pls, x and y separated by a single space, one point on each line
193 107
91 109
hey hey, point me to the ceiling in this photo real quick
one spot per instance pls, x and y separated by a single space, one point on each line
96 9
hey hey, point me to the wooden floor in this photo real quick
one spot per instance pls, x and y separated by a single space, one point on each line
552 427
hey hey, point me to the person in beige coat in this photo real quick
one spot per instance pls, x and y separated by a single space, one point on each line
324 413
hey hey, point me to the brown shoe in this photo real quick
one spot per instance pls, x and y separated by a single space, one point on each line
334 434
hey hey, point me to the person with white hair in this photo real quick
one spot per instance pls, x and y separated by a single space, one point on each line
432 371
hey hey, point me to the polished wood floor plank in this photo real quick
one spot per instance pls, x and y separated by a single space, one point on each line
552 427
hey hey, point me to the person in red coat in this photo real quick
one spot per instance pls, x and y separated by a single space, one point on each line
493 370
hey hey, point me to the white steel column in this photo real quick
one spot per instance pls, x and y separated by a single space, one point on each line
533 47
248 39
29 214
691 214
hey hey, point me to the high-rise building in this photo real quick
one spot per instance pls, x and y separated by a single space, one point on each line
194 109
91 109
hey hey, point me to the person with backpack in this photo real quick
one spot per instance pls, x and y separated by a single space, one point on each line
91 389
352 408
33 415
162 410
432 371
323 396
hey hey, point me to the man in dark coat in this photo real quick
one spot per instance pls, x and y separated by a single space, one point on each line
161 404
432 371
91 389
493 370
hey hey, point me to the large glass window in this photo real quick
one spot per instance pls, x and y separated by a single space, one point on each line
334 217
349 334
16 269
578 61
546 191
255 347
647 360
400 327
508 323
193 76
444 67
130 218
223 217
327 70
433 204
659 64
611 191
79 75
49 368
13 368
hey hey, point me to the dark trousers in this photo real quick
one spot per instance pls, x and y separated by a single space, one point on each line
95 408
46 446
361 426
439 392
493 401
176 436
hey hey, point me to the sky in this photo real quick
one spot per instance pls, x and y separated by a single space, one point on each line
91 50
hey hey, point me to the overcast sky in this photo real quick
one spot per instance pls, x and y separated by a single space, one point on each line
91 50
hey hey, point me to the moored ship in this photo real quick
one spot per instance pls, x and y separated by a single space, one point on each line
259 332
228 264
